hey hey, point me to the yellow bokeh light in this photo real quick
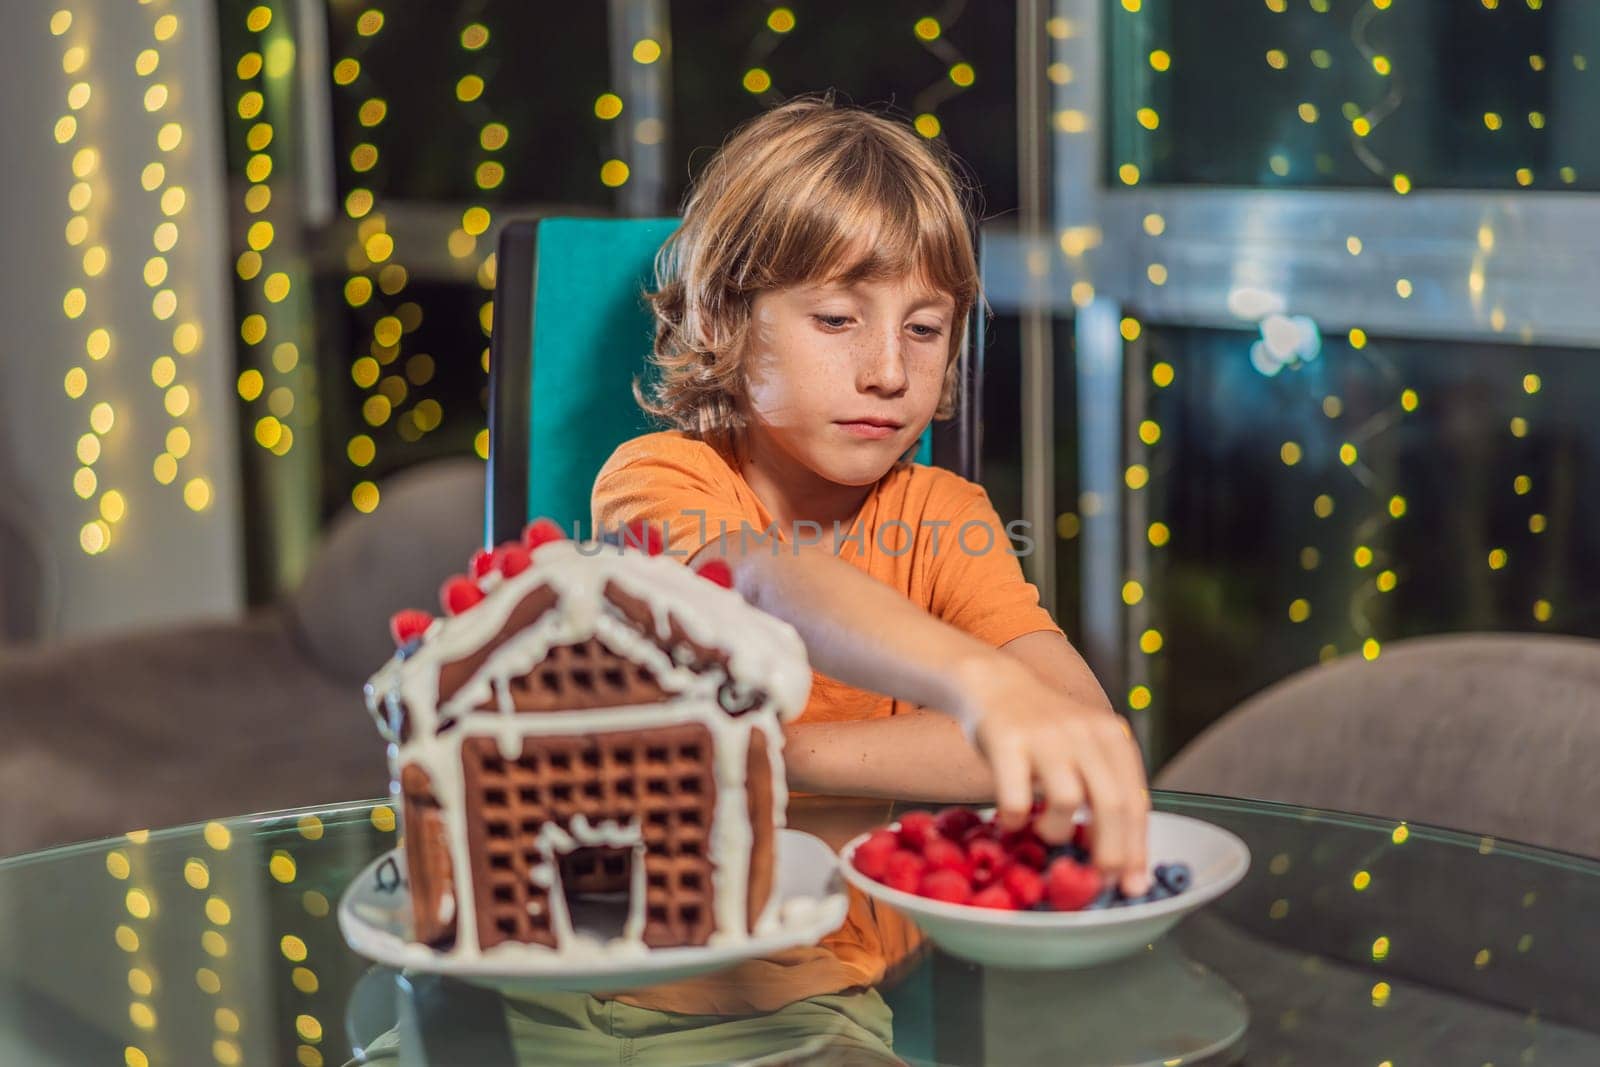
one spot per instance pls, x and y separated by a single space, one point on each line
173 199
155 271
165 236
78 95
140 984
76 382
376 410
480 444
276 287
370 22
963 74
469 88
250 384
77 230
1148 118
1150 642
1542 610
253 329
1136 476
475 220
94 261
1132 593
256 198
84 483
927 125
88 450
1160 60
197 494
259 18
357 291
95 537
494 136
72 59
249 66
1277 59
293 949
358 203
142 1015
607 106
383 818
259 137
1519 427
361 450
1370 649
60 22
73 303
756 80
281 401
1129 174
214 944
1162 375
926 29
780 20
258 168
1299 610
164 304
165 468
269 431
304 980
117 864
169 137
1531 383
80 196
217 911
1386 581
474 37
127 940
1289 453
365 495
489 175
98 343
1497 559
226 1020
179 442
379 247
372 112
646 51
282 867
102 417
1139 697
155 97
1409 399
185 338
346 71
208 981
1402 184
165 27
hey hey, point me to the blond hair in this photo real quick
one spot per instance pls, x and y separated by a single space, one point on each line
808 192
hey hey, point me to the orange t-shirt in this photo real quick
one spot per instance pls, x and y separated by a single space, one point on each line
924 531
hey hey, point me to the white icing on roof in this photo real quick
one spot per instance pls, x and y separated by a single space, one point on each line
764 652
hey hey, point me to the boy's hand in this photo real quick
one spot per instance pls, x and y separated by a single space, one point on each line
1034 736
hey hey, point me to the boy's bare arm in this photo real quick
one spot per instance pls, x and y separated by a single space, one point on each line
918 755
1032 733
1053 658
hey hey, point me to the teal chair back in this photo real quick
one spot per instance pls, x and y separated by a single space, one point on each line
571 330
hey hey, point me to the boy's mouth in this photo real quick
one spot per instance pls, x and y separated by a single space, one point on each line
870 427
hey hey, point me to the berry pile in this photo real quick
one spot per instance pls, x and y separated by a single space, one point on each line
959 857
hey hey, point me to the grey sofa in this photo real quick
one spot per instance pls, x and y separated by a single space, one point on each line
1491 733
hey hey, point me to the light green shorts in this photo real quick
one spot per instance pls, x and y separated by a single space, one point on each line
576 1028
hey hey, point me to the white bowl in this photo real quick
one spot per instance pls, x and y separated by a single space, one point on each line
1041 940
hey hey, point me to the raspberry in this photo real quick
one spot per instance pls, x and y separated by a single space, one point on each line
1024 885
916 827
986 853
955 822
984 831
1083 837
996 896
1030 854
458 594
511 559
872 855
404 625
903 871
539 532
1070 886
946 885
482 563
947 855
718 571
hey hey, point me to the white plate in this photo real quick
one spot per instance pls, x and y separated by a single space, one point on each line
1038 940
375 918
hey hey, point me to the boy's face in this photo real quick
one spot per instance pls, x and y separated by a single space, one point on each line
845 378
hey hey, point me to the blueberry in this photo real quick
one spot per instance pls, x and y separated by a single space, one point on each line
1157 892
1176 877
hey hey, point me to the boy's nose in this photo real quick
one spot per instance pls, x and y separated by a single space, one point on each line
883 369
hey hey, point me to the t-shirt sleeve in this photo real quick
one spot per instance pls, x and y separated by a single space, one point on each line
672 483
977 583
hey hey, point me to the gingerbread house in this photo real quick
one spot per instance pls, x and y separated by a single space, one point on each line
589 721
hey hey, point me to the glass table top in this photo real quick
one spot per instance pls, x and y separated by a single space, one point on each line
1351 940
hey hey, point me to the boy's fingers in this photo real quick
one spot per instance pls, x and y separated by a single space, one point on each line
1109 802
1063 795
1013 784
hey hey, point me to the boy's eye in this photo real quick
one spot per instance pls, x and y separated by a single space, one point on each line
833 322
926 332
